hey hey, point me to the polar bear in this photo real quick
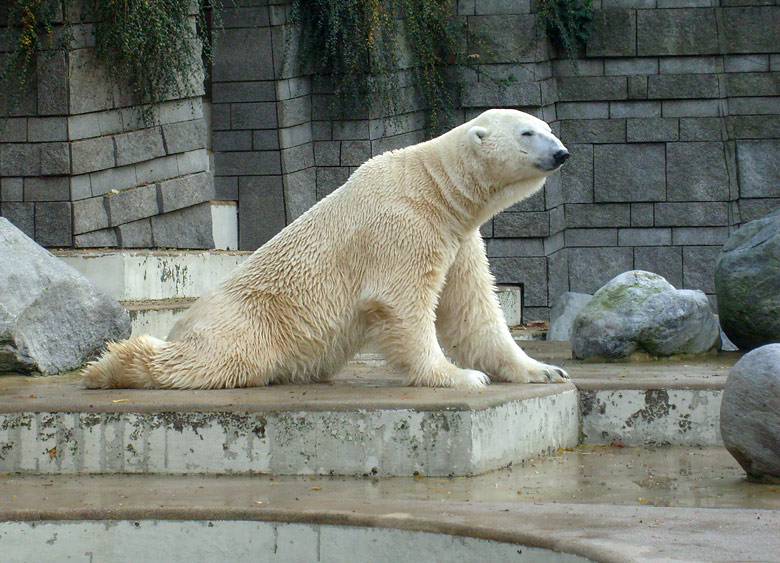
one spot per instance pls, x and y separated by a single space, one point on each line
393 257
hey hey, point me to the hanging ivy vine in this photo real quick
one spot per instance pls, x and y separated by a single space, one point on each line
362 46
149 47
567 23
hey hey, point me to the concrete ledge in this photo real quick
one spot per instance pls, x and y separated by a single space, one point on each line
364 423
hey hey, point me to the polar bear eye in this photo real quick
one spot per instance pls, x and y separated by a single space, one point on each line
528 133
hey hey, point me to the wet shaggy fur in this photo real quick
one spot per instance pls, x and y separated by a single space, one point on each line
393 257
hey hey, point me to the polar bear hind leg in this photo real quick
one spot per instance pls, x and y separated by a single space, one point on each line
471 325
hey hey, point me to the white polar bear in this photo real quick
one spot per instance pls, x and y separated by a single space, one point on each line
393 257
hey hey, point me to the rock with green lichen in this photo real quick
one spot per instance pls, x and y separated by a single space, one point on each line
640 312
747 283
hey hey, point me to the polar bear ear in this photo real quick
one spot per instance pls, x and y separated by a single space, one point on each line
476 134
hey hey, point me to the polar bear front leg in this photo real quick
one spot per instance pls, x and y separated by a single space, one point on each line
407 340
471 325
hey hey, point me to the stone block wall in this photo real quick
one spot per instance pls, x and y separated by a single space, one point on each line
672 119
80 166
672 115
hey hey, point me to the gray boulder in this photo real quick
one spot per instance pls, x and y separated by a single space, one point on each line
52 318
566 307
640 312
750 413
747 283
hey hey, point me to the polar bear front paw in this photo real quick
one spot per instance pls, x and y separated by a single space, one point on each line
544 373
469 379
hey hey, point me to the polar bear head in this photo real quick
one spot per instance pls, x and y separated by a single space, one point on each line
513 146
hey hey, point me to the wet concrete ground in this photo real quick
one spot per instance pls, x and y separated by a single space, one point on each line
664 477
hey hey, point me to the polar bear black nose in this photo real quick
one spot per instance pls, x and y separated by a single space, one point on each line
561 156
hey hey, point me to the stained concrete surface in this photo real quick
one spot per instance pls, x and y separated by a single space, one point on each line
603 503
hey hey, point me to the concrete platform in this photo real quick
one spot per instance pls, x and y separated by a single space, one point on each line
594 503
365 422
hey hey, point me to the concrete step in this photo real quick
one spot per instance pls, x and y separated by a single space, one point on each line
592 503
156 286
363 423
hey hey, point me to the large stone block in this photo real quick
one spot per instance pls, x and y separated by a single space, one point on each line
701 129
90 215
619 110
90 155
193 161
11 189
677 32
746 63
131 205
256 115
14 130
327 153
225 92
105 238
696 172
90 88
583 110
261 210
55 158
751 29
105 181
267 140
590 268
759 168
52 84
20 159
690 108
300 192
297 158
184 136
531 272
237 16
257 163
699 267
696 214
597 88
645 237
690 65
185 191
329 179
190 227
529 224
699 236
56 319
590 237
662 260
491 94
598 215
232 140
22 215
45 129
633 172
52 188
753 84
53 224
752 126
631 66
577 175
136 234
593 131
679 86
505 38
613 34
652 129
239 58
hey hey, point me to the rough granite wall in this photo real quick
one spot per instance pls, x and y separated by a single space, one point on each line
80 167
672 116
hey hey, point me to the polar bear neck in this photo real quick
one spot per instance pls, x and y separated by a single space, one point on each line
463 185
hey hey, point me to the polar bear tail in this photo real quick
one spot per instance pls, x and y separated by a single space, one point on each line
125 364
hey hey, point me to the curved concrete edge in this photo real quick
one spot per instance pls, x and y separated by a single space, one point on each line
595 532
